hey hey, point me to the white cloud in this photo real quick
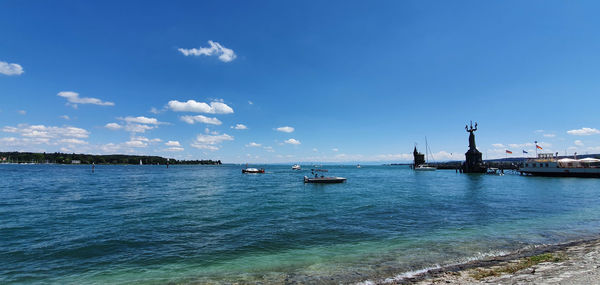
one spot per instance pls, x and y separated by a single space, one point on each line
134 143
32 136
240 127
269 148
549 135
200 119
250 103
141 120
210 142
138 128
22 112
138 124
315 150
578 143
113 126
74 99
498 145
335 149
175 148
253 144
292 141
224 54
65 117
285 129
215 107
583 132
73 141
41 131
172 143
10 68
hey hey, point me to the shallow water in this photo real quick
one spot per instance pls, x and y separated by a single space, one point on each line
212 224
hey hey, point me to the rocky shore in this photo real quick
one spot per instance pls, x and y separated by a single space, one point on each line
571 263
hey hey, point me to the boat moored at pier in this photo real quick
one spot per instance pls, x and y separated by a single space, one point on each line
548 164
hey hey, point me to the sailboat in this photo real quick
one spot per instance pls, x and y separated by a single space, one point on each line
141 162
425 167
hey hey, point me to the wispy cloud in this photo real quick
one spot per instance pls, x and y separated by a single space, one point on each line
200 119
215 49
215 107
74 99
210 142
498 145
584 132
253 144
286 129
10 68
578 143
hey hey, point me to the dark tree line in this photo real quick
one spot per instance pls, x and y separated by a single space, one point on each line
68 158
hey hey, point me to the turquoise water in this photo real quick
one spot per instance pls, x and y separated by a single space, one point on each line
212 224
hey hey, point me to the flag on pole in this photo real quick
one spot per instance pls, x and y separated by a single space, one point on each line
524 151
508 151
538 147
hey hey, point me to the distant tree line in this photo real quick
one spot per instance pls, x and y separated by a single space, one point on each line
69 158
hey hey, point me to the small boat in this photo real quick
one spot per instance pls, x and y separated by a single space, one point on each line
424 167
358 166
495 171
322 178
418 163
253 170
296 167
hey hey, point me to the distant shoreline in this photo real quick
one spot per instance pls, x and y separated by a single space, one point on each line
102 159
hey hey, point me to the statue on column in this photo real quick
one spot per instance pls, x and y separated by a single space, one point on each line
473 162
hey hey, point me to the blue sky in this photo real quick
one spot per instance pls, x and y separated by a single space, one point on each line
356 81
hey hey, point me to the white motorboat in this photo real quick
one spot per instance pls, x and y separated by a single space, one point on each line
548 164
296 167
322 178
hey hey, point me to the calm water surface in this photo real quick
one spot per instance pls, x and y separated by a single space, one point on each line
212 224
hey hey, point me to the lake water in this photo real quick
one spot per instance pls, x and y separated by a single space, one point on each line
212 224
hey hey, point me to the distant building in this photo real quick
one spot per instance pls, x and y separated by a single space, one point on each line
75 161
418 158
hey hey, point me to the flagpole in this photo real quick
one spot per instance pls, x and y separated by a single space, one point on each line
535 148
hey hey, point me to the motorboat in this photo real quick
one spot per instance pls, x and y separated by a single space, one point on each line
548 164
322 178
253 170
296 167
495 171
